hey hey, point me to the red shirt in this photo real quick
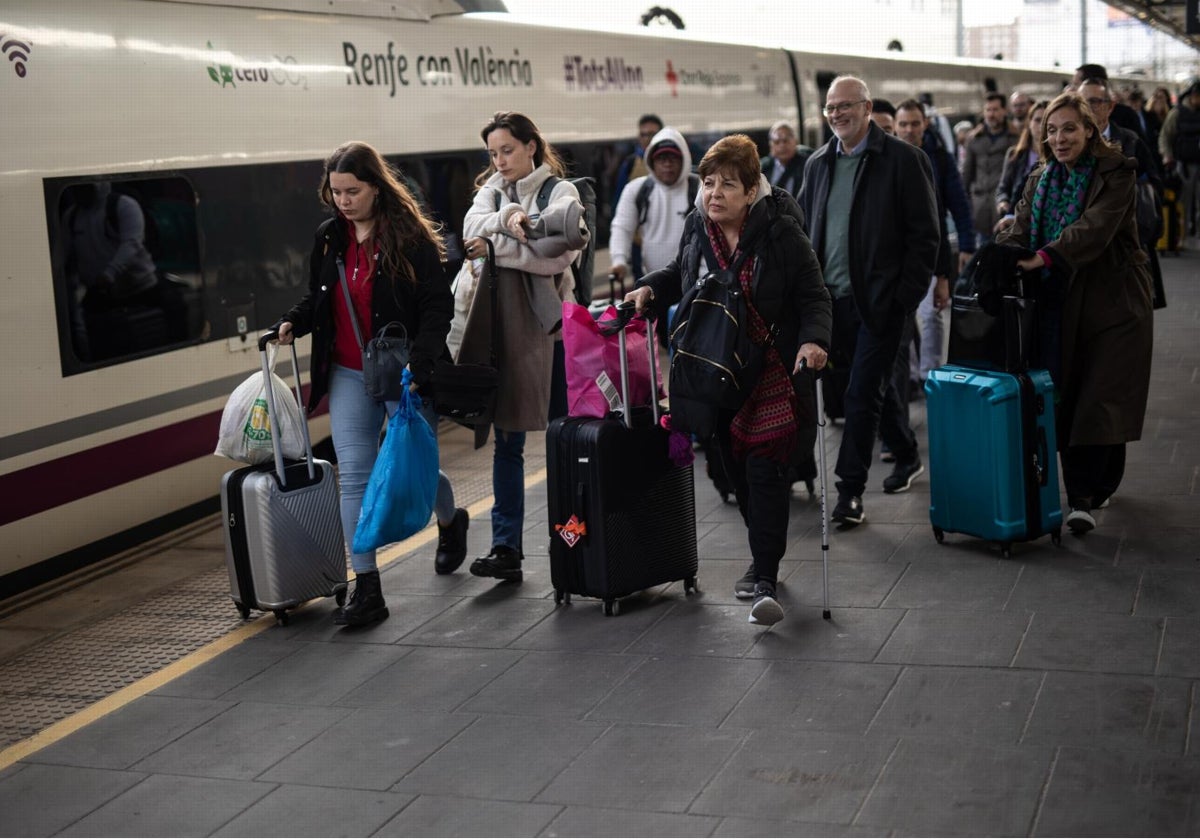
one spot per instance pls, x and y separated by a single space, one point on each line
360 260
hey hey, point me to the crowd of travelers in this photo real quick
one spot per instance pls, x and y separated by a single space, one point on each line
845 251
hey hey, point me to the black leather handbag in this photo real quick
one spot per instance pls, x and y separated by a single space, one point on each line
384 357
992 324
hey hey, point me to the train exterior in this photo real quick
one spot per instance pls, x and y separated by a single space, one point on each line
209 122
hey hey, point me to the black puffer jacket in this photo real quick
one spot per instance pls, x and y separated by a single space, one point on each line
425 308
788 290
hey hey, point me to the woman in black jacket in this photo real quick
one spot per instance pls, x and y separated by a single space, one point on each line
736 207
392 255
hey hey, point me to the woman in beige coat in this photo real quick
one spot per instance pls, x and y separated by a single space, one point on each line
534 249
1095 299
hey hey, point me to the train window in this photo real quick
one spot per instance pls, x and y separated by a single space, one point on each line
127 268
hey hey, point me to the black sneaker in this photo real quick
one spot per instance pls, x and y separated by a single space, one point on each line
502 563
452 543
848 511
766 610
902 476
744 588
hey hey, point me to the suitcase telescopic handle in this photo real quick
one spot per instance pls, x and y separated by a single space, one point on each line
626 313
273 410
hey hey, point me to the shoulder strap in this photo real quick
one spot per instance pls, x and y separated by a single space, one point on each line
112 226
643 201
341 267
543 196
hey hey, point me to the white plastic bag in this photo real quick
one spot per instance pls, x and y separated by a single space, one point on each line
465 284
245 427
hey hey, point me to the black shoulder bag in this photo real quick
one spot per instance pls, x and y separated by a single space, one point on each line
384 357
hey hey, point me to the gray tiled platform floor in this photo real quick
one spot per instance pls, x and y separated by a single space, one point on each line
954 692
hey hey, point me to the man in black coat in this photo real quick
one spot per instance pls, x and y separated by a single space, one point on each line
1099 98
873 221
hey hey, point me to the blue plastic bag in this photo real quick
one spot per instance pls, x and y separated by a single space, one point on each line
400 493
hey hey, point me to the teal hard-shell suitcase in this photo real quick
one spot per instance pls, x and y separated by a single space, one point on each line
993 466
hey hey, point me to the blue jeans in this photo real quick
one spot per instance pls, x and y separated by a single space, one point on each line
872 404
357 420
508 489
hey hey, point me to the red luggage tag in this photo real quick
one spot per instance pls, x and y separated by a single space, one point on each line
573 531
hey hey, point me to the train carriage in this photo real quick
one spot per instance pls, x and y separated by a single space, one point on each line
213 120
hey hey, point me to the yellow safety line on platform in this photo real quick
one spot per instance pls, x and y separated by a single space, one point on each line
69 725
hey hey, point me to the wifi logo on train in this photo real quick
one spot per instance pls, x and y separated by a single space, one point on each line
17 53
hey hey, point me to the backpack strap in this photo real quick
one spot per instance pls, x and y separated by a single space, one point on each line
543 196
643 201
112 225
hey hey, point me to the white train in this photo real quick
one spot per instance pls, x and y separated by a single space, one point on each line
215 117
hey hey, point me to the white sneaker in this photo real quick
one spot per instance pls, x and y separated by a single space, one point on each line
1080 521
766 610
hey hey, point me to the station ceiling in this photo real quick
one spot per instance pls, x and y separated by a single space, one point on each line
1169 16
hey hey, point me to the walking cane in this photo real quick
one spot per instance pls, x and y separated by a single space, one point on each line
825 614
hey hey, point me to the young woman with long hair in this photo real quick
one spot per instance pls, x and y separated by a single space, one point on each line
392 254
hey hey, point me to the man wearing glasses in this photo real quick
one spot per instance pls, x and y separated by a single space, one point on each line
873 221
1096 94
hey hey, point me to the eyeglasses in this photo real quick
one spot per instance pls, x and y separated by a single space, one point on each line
1096 102
841 107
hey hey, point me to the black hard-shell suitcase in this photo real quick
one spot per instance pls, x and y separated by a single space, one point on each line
622 514
283 530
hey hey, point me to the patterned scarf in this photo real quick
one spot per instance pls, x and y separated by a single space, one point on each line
765 425
1058 199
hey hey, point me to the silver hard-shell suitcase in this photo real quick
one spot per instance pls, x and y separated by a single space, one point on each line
283 529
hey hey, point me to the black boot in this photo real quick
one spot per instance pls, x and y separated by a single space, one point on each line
452 543
502 562
366 605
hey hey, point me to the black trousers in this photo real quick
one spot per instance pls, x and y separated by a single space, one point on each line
1092 473
764 491
871 403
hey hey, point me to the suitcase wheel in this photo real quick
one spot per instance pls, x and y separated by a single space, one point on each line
558 597
939 535
689 586
282 617
612 606
244 610
340 597
1056 536
1006 550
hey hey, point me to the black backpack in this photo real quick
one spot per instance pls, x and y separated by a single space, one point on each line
714 364
642 200
585 264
